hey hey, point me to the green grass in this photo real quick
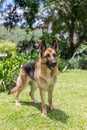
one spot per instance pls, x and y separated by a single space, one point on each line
69 98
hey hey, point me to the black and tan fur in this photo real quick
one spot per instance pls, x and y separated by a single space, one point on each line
41 74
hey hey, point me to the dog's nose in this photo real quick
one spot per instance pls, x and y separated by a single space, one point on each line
53 63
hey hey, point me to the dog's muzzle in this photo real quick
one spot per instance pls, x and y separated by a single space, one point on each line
51 64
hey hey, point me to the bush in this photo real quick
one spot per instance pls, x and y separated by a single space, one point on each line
9 69
7 47
22 45
79 58
61 63
79 62
26 46
63 49
83 63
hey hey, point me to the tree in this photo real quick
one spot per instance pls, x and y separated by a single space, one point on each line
70 17
59 16
32 10
11 19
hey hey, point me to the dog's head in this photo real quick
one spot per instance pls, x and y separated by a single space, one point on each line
49 54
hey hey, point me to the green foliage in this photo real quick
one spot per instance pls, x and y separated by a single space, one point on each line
18 34
79 58
79 62
22 45
61 63
7 47
9 69
32 11
63 49
26 46
68 17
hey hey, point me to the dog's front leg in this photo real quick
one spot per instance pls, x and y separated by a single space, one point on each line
42 94
50 92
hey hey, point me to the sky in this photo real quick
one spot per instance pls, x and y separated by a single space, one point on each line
6 5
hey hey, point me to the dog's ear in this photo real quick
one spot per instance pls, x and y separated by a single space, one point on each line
42 47
55 45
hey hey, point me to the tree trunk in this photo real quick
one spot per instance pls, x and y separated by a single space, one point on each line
50 27
71 38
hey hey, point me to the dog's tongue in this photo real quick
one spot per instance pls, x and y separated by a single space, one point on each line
51 67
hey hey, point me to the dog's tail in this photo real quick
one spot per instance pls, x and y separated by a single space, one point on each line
13 90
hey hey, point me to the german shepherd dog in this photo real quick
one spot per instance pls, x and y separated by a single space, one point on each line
41 74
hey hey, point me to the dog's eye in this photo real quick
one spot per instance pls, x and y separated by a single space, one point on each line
47 55
54 55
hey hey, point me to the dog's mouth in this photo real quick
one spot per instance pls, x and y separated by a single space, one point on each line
51 64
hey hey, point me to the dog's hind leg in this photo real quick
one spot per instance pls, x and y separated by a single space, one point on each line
17 91
22 82
16 98
20 87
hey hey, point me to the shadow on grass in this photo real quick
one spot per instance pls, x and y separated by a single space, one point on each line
56 114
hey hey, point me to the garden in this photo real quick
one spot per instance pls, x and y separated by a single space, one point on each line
21 51
65 21
69 95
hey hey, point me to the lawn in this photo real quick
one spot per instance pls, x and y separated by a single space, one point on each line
70 100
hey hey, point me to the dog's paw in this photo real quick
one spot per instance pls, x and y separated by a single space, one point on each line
44 114
52 107
18 104
36 102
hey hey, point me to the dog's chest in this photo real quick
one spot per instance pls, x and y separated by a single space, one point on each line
47 81
45 77
49 77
